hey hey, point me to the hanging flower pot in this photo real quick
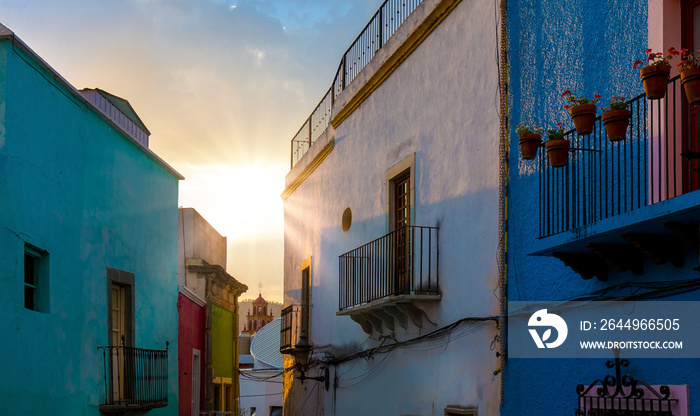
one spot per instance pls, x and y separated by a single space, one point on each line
690 80
529 143
616 123
582 110
583 116
655 74
655 80
558 152
557 146
530 138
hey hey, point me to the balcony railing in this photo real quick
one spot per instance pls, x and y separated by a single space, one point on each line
135 377
403 262
657 161
291 324
384 23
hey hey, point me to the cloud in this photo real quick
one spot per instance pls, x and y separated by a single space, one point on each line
258 54
217 82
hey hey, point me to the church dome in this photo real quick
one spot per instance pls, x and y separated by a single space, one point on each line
260 299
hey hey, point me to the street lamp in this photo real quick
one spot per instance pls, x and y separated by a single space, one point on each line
302 353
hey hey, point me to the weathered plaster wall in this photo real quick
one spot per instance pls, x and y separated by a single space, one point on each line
79 189
441 104
197 239
587 47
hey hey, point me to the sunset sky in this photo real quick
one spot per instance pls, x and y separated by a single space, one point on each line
222 86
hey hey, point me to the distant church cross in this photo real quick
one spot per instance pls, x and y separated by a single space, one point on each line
260 288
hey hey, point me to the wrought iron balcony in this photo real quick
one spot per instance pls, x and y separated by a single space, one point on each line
289 331
135 379
381 27
615 203
657 161
384 277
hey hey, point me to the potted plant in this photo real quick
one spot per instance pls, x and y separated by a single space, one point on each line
690 75
655 73
582 111
530 138
557 146
616 118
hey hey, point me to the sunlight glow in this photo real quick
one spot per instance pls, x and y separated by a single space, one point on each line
240 201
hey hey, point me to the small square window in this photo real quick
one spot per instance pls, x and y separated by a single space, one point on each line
36 279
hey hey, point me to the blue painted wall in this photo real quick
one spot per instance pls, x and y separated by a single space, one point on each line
73 185
586 47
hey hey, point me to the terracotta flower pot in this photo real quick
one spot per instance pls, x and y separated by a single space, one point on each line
583 116
655 80
690 80
529 143
616 122
558 152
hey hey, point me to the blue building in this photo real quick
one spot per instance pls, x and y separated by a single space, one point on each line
620 220
88 236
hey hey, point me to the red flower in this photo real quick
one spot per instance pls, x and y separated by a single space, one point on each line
672 51
649 50
565 93
597 96
636 64
566 107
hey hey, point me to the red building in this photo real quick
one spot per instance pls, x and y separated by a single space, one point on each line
208 320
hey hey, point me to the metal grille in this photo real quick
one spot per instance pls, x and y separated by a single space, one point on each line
289 331
370 272
658 160
135 376
623 395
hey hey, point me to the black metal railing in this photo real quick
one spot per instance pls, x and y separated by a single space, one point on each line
657 161
312 129
135 376
289 331
385 22
623 395
405 261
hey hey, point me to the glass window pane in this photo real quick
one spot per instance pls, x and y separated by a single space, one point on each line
28 297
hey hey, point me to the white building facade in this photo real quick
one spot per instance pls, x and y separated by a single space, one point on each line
261 373
392 222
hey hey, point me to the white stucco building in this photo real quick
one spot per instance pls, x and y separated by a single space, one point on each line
260 376
392 222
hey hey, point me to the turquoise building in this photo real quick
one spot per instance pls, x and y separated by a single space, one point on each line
88 243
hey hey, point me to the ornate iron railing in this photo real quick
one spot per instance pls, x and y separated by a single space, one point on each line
403 262
384 23
289 331
135 376
623 395
658 160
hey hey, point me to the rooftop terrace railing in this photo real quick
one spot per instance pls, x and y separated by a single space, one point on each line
657 161
384 23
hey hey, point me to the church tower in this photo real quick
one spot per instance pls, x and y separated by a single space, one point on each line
259 316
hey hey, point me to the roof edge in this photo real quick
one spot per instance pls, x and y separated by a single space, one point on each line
7 34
